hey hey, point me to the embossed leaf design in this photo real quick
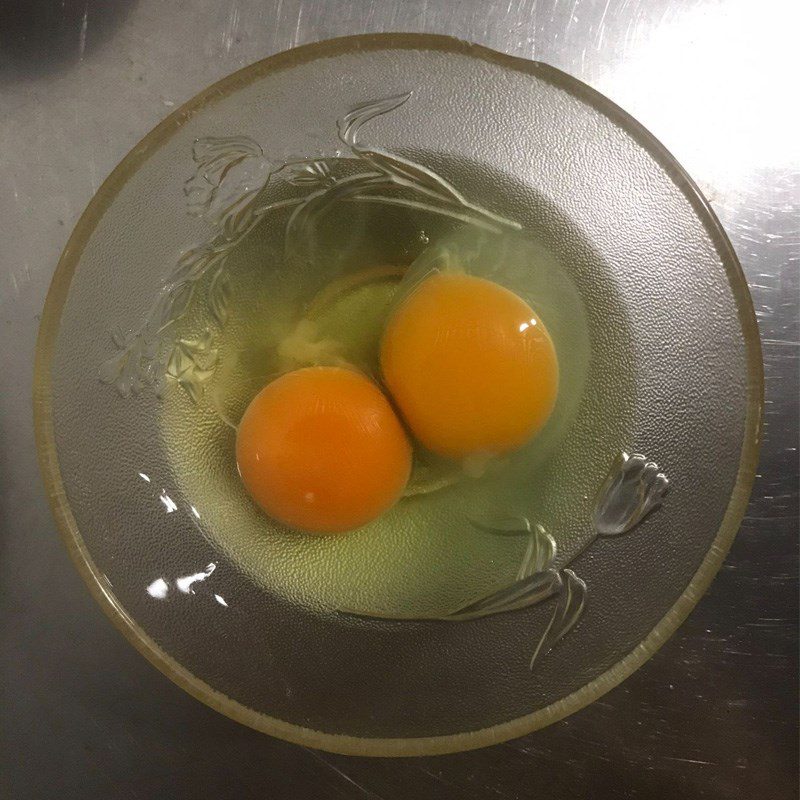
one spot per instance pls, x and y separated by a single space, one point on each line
310 173
407 173
179 363
219 295
239 215
193 388
230 172
198 345
178 299
568 610
191 363
529 591
214 153
121 338
111 368
196 261
541 553
169 307
154 373
350 124
504 526
309 213
633 488
129 381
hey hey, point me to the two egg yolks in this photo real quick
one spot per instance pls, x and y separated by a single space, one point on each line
471 369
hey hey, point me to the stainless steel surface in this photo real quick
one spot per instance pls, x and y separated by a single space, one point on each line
713 714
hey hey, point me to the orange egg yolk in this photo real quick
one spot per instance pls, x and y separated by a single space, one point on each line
470 366
322 450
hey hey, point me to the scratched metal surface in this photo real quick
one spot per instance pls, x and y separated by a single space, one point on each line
712 715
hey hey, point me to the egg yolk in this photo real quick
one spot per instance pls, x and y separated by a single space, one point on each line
322 450
469 365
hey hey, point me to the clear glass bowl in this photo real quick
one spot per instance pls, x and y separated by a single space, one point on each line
475 610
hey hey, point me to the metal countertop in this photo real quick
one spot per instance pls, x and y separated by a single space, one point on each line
712 715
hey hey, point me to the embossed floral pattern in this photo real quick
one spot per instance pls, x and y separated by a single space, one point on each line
231 174
231 171
634 487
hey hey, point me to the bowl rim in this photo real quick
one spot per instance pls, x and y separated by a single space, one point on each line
340 743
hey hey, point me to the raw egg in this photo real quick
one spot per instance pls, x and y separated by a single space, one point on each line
470 366
322 450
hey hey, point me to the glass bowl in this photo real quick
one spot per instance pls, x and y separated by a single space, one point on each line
295 193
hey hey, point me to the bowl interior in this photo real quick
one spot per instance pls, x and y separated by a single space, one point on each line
651 318
424 555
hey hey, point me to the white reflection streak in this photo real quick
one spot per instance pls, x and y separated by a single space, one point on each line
185 583
144 477
221 600
158 589
168 502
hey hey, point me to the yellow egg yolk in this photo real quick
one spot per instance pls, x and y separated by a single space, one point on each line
321 449
471 368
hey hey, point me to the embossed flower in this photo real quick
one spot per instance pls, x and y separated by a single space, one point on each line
634 487
231 171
